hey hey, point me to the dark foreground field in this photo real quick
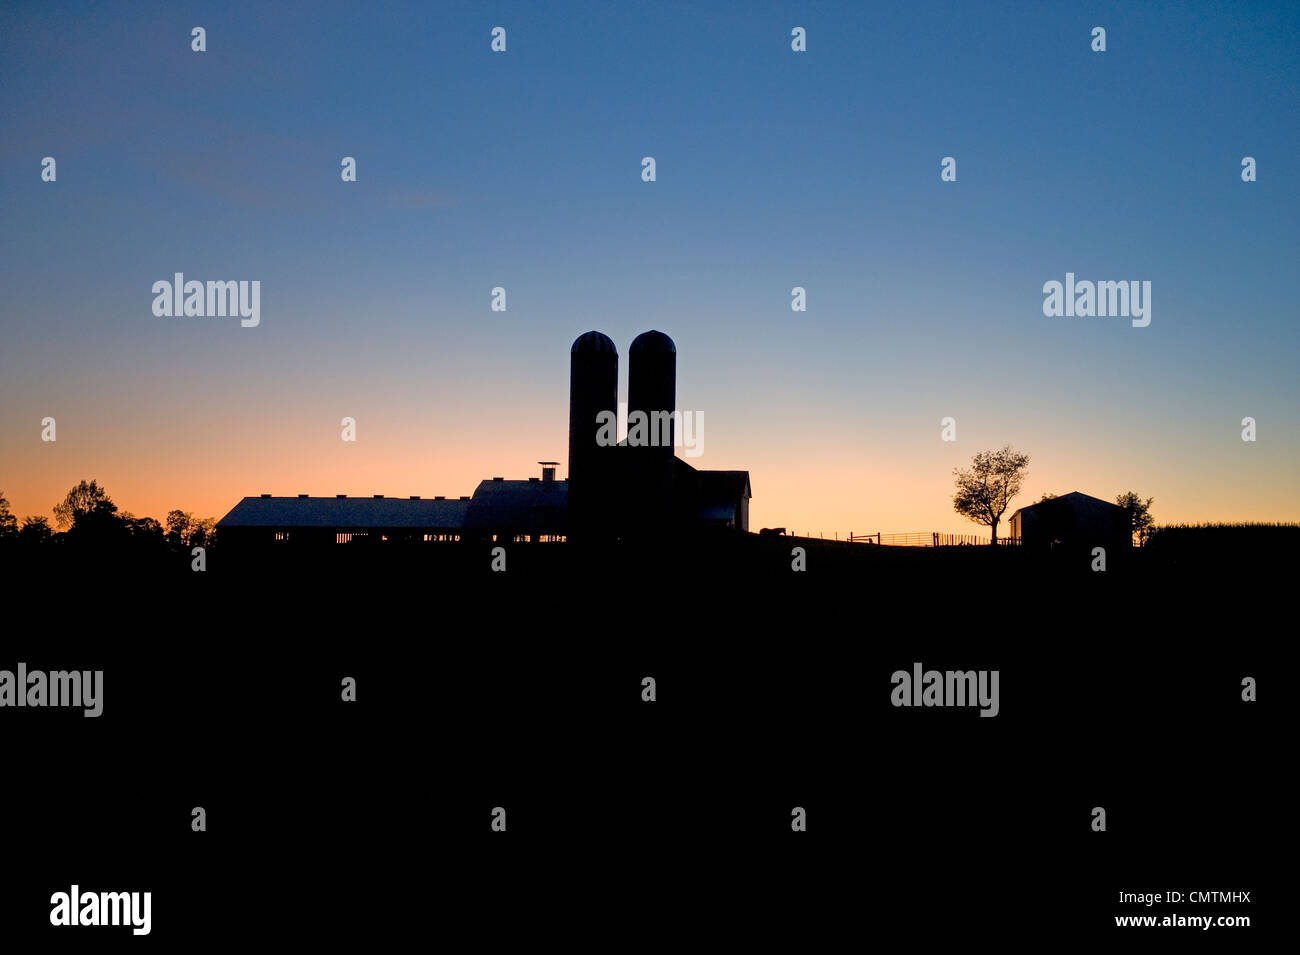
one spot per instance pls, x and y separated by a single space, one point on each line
370 820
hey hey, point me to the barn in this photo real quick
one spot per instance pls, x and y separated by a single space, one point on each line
611 490
1073 521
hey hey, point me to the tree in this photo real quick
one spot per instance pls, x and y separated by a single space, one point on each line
1047 496
1139 512
8 523
185 530
987 487
35 530
178 525
203 533
142 527
84 500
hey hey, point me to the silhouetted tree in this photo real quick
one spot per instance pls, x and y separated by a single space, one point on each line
178 527
98 531
35 530
184 530
203 533
145 528
986 488
84 500
1047 496
8 523
1139 512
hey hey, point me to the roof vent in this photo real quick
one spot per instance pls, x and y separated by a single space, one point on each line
533 480
300 496
266 495
440 497
379 497
495 479
340 496
415 497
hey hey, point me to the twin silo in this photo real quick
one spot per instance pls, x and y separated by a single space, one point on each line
629 488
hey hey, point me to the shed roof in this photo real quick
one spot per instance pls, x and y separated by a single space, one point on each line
1075 500
718 486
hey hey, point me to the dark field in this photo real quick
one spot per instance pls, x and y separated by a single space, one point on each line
523 690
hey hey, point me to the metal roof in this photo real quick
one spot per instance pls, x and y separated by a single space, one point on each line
531 505
1076 499
522 505
593 342
345 512
653 341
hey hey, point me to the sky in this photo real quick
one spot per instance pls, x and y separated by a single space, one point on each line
774 169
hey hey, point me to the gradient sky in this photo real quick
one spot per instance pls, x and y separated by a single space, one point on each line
775 169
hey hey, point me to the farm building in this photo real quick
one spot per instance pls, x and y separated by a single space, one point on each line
1073 521
306 520
612 489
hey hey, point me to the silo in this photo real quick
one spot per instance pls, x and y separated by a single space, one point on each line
593 388
652 392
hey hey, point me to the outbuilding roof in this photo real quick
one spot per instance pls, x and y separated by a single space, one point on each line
1075 499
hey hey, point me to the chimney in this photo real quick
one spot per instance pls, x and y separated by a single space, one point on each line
548 471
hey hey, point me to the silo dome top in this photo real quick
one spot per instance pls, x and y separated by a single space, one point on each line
593 342
653 341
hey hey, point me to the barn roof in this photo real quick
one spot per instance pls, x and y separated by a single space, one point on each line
1077 500
723 485
345 512
523 505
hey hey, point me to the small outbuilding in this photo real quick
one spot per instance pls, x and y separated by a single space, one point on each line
1073 521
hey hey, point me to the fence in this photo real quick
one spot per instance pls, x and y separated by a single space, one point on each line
930 539
867 538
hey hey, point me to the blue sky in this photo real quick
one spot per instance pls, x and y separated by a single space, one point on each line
774 169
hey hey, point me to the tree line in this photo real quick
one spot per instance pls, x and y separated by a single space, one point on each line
87 515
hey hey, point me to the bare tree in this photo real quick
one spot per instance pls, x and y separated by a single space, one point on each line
986 488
